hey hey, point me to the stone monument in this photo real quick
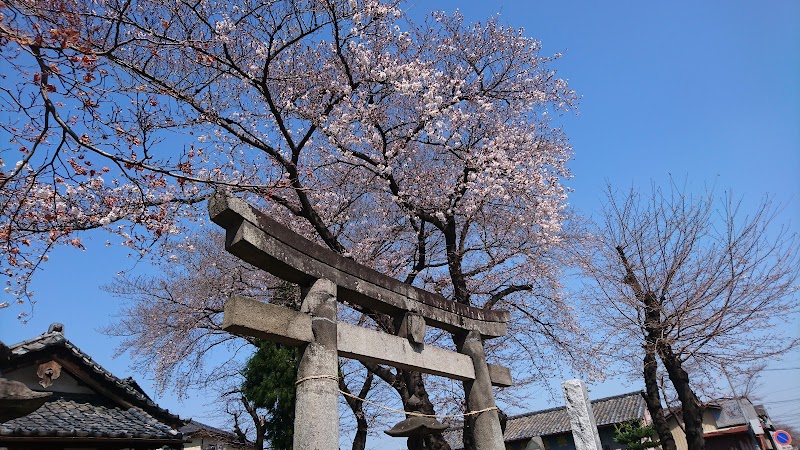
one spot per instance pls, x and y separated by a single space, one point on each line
581 417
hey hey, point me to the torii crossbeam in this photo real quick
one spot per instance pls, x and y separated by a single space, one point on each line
327 277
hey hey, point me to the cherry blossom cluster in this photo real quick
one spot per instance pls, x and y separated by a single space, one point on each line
430 151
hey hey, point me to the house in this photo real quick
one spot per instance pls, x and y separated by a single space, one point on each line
550 429
86 407
728 424
200 436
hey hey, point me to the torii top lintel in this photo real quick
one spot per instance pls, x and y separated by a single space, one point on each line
263 242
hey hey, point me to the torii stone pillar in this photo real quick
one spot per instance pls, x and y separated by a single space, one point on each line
328 277
487 433
317 392
581 417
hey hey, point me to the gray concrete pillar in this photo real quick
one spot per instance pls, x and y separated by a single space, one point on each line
581 417
487 433
316 420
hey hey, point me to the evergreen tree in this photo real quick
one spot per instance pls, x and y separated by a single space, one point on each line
269 384
635 436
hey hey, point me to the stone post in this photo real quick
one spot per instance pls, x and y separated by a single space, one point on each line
316 420
486 431
581 417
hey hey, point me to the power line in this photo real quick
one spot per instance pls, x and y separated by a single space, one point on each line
782 390
782 368
783 407
788 400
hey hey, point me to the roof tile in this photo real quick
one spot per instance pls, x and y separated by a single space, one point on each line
607 411
57 339
80 415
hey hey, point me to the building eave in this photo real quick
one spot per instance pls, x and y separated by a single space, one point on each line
732 430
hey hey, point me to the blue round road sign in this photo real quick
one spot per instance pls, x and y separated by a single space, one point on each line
782 437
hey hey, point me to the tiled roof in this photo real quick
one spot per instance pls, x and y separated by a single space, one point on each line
87 416
55 340
607 411
196 427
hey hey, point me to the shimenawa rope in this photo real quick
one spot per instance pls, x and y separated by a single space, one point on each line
400 411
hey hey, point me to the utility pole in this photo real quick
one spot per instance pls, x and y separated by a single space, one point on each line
758 438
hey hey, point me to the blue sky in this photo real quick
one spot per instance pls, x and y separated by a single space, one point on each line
703 91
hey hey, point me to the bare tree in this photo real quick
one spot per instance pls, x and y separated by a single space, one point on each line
172 320
695 282
236 406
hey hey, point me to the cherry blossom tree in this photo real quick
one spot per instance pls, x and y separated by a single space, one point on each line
425 150
697 283
170 322
171 329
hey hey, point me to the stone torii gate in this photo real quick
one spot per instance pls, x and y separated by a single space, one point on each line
326 278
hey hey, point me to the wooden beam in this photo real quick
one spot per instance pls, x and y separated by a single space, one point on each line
268 245
248 317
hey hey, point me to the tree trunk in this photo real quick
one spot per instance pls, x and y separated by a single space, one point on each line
415 399
259 444
357 406
653 334
653 330
411 387
436 442
653 400
360 439
467 432
691 407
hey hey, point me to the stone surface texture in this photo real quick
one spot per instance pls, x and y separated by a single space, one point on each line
581 416
487 433
317 394
413 328
416 426
248 317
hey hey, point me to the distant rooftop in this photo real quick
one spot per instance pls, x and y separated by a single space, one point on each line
197 427
607 411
